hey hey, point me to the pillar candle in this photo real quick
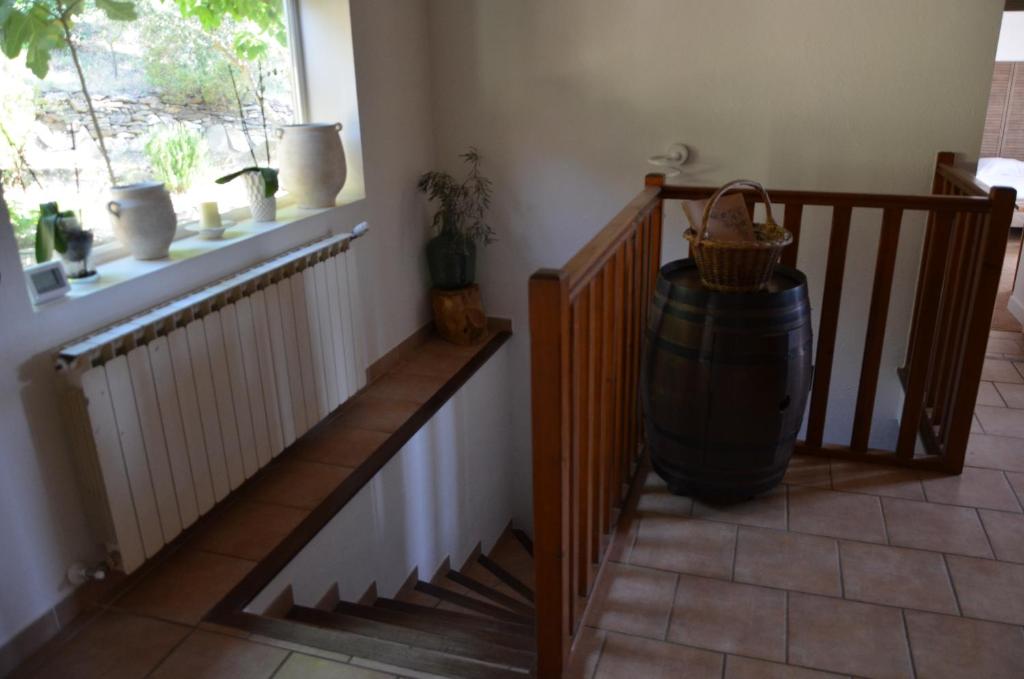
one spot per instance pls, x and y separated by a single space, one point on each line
209 217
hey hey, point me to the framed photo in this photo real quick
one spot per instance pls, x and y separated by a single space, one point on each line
47 282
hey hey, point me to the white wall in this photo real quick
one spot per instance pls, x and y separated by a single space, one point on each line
446 490
566 100
42 528
1011 37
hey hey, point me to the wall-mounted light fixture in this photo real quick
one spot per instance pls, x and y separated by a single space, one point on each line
673 159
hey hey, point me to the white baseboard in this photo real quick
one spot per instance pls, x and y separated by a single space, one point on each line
1016 309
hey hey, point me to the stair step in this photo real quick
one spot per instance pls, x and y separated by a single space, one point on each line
498 571
503 600
510 553
472 604
400 655
524 540
444 616
459 630
457 646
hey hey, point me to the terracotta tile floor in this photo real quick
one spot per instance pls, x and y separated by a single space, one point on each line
846 570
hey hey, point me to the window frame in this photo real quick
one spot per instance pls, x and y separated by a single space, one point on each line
114 250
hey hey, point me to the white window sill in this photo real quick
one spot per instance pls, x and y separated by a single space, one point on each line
125 269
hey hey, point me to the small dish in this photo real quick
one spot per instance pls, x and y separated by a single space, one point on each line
211 234
84 280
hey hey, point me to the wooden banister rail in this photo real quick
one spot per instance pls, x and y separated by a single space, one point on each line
587 323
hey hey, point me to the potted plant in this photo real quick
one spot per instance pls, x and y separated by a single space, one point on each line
260 182
458 227
61 231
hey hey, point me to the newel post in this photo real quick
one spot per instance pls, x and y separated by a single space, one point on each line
549 372
992 252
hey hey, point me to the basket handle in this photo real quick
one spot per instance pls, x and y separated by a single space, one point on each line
736 183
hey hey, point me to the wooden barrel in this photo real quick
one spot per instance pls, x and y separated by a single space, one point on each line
724 382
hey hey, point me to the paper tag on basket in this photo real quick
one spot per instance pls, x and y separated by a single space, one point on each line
728 221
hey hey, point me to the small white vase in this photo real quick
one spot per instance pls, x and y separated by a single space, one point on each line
143 219
263 209
312 159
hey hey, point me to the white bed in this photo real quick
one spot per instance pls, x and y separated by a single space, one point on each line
1005 172
1002 172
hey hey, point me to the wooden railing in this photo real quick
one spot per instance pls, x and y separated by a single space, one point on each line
586 325
587 322
961 264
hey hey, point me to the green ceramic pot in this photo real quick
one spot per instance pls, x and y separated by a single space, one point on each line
452 261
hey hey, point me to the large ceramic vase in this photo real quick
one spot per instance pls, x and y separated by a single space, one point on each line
313 168
262 207
451 260
143 219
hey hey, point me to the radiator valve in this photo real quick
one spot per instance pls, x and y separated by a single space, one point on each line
80 573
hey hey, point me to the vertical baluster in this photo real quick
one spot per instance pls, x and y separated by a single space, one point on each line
828 324
617 381
645 285
582 513
607 407
655 241
917 373
950 318
938 184
572 548
971 255
595 355
791 220
629 354
639 306
874 338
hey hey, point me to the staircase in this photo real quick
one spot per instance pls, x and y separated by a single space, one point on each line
474 622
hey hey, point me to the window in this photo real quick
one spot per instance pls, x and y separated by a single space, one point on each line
176 87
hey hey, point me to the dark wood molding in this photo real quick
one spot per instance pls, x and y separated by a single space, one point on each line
227 610
1014 6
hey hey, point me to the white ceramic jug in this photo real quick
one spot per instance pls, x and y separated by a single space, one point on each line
313 168
143 219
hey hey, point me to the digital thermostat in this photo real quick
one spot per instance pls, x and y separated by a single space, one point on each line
47 281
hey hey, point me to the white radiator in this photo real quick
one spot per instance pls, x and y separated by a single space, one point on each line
174 409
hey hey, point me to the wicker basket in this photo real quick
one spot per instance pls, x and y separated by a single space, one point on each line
740 266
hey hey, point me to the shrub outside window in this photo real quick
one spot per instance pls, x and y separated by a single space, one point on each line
171 83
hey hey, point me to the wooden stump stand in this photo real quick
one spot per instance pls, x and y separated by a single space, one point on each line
459 314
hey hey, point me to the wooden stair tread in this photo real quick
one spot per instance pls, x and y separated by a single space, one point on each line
524 540
499 598
469 603
471 630
401 655
473 569
446 616
511 581
461 646
511 555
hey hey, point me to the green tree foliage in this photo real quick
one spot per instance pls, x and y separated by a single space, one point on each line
23 221
256 19
42 26
184 62
175 155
